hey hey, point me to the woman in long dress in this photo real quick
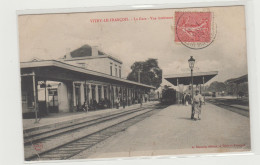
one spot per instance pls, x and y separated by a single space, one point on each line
197 103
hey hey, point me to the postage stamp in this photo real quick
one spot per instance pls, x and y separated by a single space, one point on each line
195 30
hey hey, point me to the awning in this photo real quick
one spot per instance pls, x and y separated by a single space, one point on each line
238 80
58 71
185 78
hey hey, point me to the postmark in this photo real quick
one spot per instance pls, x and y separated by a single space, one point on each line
38 146
195 30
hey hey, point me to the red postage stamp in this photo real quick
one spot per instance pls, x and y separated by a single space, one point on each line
193 27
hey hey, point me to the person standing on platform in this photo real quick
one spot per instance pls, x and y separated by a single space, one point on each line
183 98
197 103
187 99
117 103
124 102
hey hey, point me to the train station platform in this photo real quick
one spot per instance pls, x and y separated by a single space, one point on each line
55 119
240 103
172 132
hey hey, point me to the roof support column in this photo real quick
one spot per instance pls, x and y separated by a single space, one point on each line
127 96
203 81
96 93
102 92
85 91
46 101
114 93
35 98
131 95
203 88
111 95
177 93
89 93
121 89
74 94
82 97
107 92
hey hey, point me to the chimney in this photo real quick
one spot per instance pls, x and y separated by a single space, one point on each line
68 55
94 50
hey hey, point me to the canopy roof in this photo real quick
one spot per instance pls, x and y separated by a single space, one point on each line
185 78
238 80
58 71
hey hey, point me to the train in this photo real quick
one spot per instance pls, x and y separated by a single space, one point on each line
169 96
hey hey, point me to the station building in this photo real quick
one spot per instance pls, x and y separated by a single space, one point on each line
83 76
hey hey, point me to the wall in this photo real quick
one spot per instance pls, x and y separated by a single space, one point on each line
97 64
27 94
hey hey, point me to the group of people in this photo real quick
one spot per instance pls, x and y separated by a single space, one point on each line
117 102
196 103
123 102
94 105
105 103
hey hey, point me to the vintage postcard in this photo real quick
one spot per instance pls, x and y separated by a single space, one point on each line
134 83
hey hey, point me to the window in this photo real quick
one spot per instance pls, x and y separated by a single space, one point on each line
119 71
111 69
116 70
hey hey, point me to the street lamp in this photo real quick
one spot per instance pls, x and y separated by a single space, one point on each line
191 65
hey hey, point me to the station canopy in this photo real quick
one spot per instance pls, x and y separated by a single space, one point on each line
58 71
185 78
239 80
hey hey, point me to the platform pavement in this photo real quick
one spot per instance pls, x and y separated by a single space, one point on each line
56 118
171 131
240 107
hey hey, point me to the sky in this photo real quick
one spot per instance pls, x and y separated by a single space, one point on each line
48 36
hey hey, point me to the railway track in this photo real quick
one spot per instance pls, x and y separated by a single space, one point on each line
238 110
75 146
30 138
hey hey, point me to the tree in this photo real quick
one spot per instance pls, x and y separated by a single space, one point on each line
231 88
217 87
234 89
150 72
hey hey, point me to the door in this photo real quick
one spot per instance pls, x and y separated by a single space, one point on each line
53 103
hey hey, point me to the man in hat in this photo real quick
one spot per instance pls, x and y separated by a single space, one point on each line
197 102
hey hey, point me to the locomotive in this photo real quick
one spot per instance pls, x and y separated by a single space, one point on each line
169 96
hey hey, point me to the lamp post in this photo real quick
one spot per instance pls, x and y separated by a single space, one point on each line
191 65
